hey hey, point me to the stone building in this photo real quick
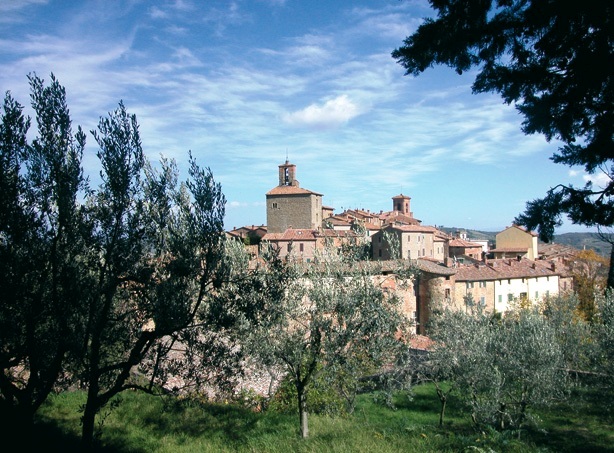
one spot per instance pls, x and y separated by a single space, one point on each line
414 241
496 284
290 206
461 247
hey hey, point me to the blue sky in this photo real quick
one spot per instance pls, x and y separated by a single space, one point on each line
245 83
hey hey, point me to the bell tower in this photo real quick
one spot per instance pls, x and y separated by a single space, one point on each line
400 204
287 174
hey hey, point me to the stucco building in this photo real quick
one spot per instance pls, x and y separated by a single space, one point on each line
515 241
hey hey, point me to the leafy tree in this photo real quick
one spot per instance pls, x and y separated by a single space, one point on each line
555 61
501 369
603 333
41 239
590 273
328 319
573 332
157 247
102 286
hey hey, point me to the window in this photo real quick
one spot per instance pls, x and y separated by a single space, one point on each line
289 247
500 299
274 205
447 294
380 253
301 247
482 301
510 297
537 294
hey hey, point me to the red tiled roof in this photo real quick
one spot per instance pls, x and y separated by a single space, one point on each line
511 249
291 190
414 228
336 220
336 233
521 229
504 269
434 267
462 243
291 234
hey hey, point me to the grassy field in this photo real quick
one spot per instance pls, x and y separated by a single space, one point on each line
143 423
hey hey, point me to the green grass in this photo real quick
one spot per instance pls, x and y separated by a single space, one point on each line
142 423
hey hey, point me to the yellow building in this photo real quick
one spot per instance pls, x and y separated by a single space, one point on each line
514 242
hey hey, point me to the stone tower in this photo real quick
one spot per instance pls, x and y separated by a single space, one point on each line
290 206
400 204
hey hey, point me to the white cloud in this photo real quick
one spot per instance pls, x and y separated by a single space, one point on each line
333 113
600 180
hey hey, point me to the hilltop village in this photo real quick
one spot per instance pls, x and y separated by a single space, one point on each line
454 269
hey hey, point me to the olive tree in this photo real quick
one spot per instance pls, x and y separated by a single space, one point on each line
330 317
155 253
41 250
502 368
100 284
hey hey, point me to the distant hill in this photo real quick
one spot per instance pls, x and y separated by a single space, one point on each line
584 240
579 241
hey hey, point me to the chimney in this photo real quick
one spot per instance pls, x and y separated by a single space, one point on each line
553 267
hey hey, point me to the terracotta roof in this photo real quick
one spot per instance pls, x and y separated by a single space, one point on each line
462 243
504 269
414 228
336 233
291 234
434 267
400 196
358 213
521 229
511 249
552 250
396 216
291 190
371 226
336 220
